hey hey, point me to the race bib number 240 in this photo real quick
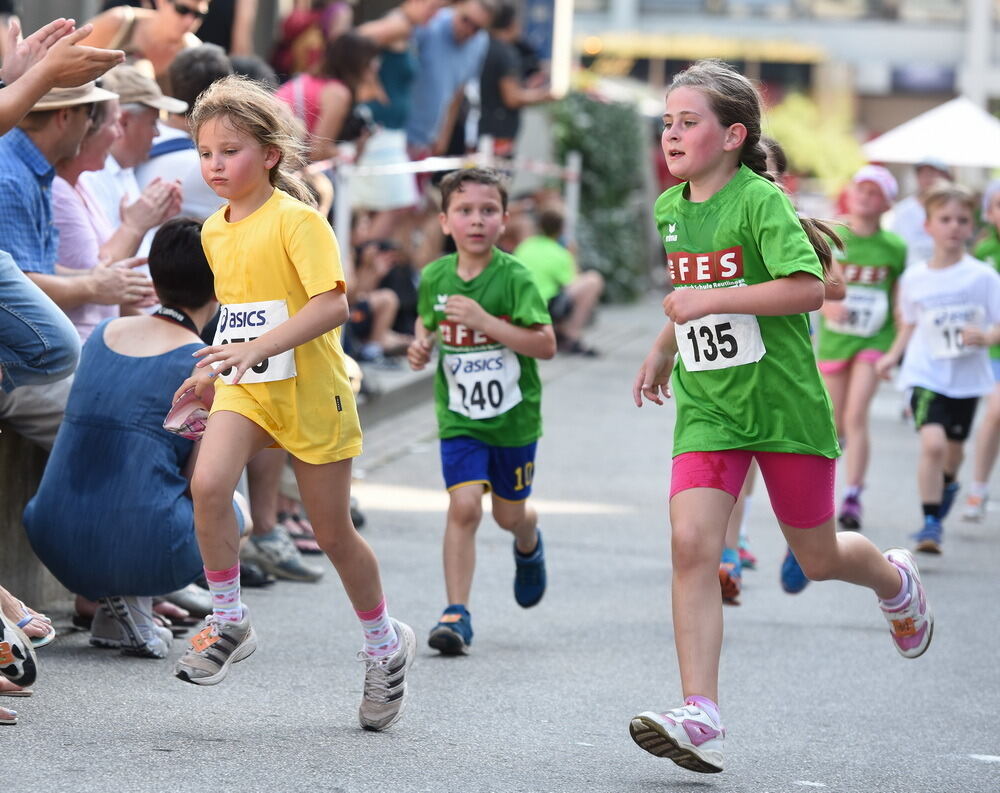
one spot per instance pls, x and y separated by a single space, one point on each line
482 384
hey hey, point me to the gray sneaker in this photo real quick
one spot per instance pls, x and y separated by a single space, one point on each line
277 554
385 682
139 635
219 644
105 632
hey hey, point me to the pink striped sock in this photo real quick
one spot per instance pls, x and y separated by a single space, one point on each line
380 635
225 588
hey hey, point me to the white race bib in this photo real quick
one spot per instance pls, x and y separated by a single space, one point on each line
482 384
719 341
240 322
943 329
865 310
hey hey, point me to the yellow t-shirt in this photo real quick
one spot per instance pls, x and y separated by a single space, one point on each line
287 251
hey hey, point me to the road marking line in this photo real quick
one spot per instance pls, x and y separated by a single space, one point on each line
985 758
809 784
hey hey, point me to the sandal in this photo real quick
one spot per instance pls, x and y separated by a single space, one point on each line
9 689
17 656
301 532
8 716
32 622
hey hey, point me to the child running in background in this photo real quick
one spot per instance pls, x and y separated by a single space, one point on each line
950 310
747 387
988 435
281 380
483 308
857 331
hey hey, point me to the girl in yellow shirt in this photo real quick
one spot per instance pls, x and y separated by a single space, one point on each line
278 375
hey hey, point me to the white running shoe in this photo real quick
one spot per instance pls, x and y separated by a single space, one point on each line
975 509
687 735
912 624
384 695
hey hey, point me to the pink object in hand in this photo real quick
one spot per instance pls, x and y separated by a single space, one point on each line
187 416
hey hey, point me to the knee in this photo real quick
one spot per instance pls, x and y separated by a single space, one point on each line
336 542
465 515
689 548
594 280
507 518
934 449
817 567
384 300
209 493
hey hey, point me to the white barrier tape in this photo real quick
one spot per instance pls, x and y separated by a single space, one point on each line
435 164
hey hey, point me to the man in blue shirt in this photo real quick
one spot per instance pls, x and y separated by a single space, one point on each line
450 50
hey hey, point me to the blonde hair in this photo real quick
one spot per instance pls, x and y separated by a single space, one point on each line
253 110
734 100
943 192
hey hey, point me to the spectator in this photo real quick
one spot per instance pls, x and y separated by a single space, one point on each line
52 132
228 23
323 102
450 52
153 36
256 68
570 294
306 31
174 155
908 215
502 93
140 101
373 307
86 236
124 531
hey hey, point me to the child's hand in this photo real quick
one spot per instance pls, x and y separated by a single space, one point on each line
419 353
466 311
684 305
834 311
974 337
653 378
883 366
239 356
203 383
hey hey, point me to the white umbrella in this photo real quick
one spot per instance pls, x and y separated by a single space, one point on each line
958 133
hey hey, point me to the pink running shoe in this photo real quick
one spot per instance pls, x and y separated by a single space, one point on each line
187 416
912 624
686 735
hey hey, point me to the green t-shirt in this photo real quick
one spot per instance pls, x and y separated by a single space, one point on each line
482 389
550 263
872 265
988 250
743 381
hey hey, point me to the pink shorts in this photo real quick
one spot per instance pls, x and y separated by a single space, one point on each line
836 367
800 485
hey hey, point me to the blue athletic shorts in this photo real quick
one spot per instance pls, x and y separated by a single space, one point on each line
507 471
995 363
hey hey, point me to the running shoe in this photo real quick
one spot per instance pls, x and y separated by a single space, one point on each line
912 624
747 559
276 554
215 648
17 656
385 682
686 735
731 581
529 577
975 509
105 632
138 633
929 537
948 499
793 579
453 633
850 513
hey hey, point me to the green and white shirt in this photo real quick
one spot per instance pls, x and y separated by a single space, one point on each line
483 389
988 250
743 381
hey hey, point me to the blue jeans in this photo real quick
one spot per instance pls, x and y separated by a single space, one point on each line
38 343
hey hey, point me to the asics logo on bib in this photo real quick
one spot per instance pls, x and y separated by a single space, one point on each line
859 274
241 319
704 268
494 364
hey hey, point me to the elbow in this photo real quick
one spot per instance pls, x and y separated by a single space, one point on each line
813 294
548 351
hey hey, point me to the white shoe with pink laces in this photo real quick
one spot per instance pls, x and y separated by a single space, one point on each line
686 735
911 624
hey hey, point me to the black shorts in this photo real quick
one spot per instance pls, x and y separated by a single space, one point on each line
955 415
560 307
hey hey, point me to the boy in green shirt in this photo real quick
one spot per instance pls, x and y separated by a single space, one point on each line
483 308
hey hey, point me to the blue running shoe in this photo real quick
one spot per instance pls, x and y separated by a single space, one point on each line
453 633
793 580
929 537
529 578
948 499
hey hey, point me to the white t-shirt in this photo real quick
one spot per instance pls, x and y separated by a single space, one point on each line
940 303
908 218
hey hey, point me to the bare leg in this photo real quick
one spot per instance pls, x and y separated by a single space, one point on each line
836 385
519 518
263 477
931 467
584 291
860 389
465 511
988 439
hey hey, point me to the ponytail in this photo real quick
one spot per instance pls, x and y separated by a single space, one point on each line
754 157
823 239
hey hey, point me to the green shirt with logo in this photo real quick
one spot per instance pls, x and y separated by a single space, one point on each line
552 266
988 250
745 234
871 265
483 389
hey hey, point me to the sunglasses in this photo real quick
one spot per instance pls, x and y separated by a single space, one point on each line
186 10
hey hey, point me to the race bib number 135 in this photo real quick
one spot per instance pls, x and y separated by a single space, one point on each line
719 341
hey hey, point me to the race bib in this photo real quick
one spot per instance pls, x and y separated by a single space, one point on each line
943 329
240 322
482 384
718 341
865 310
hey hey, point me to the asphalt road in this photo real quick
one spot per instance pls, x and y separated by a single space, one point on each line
813 694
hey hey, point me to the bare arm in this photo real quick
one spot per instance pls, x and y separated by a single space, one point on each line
105 284
794 294
334 104
243 24
419 352
515 95
387 31
448 123
653 378
536 341
903 335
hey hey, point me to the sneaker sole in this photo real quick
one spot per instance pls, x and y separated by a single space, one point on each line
244 651
731 588
650 736
447 642
929 546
